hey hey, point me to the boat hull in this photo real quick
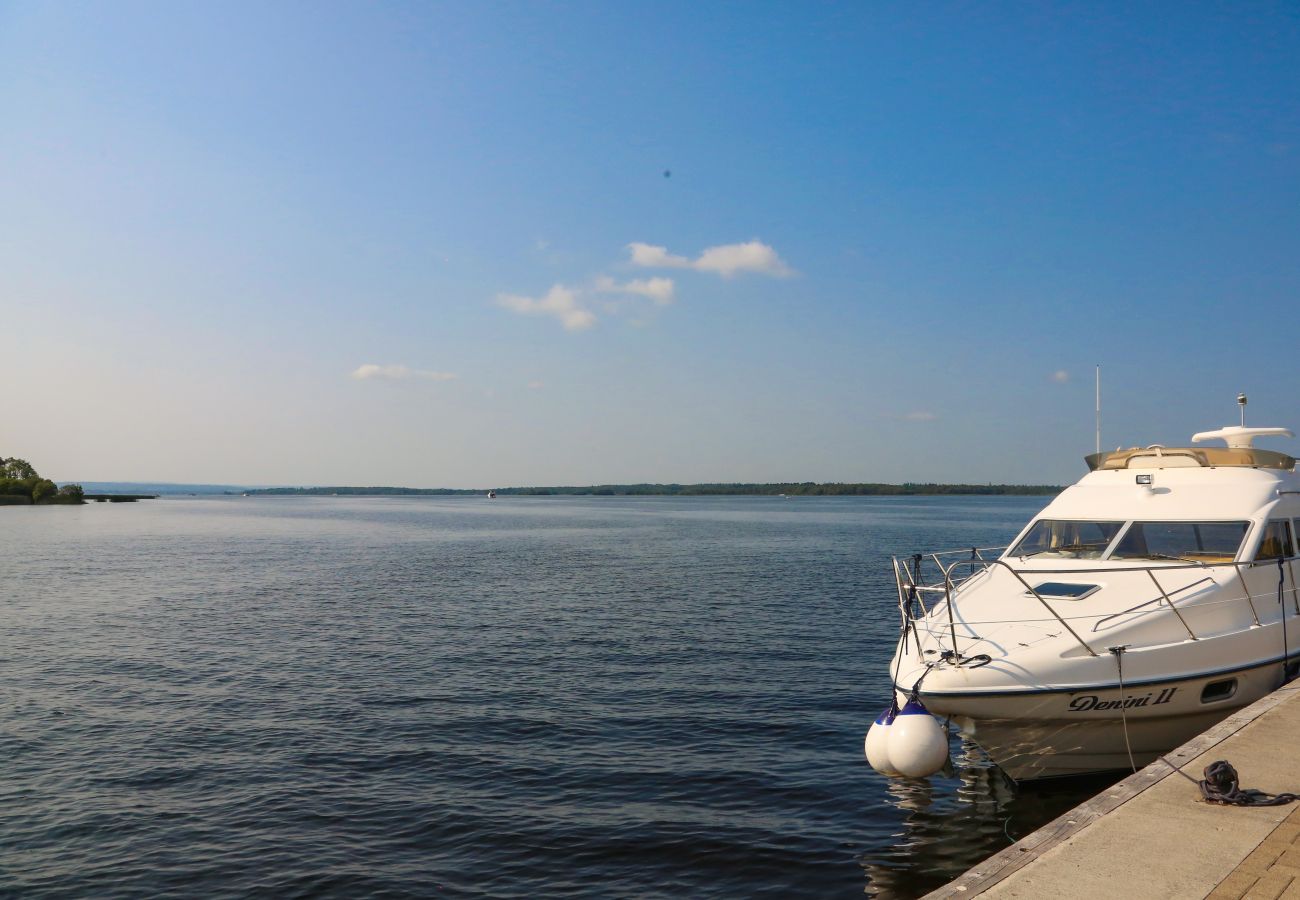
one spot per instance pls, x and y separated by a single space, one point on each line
1032 735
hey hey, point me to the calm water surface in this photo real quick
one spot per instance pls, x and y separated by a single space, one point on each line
525 697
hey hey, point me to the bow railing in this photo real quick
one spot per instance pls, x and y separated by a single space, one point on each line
921 598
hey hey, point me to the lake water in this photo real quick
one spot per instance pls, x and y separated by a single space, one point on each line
523 697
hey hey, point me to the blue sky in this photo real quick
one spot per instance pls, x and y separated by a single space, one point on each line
435 244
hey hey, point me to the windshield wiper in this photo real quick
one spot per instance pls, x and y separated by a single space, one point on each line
1167 556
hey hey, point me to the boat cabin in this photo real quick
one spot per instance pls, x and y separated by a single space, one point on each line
1207 505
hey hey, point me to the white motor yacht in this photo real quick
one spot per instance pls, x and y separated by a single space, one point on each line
1142 605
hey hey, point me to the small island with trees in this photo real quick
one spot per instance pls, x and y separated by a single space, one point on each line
20 485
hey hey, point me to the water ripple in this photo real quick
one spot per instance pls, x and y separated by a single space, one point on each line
453 698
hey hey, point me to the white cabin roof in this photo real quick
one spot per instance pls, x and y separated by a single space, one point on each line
1235 482
1207 494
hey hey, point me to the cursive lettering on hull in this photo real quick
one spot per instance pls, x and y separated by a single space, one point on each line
1093 703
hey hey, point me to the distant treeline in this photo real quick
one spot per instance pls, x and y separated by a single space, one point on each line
805 488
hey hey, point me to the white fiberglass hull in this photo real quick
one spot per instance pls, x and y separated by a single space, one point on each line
1047 734
1042 695
1141 606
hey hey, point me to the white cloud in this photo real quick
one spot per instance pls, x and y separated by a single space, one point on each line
570 305
726 260
653 257
1060 376
536 385
398 373
754 256
660 290
559 302
920 416
573 306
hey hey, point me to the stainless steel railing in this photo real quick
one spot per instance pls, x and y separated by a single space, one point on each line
978 562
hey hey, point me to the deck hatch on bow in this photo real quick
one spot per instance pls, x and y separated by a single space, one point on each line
1061 590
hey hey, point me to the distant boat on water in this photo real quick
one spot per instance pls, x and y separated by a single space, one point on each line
492 495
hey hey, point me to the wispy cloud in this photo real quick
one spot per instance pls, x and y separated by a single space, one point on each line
559 302
660 290
369 371
920 416
653 257
573 306
1060 376
726 260
570 304
536 385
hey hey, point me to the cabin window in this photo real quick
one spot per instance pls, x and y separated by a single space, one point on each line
1276 542
1062 539
1190 541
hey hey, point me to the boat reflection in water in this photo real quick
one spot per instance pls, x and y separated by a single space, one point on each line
949 823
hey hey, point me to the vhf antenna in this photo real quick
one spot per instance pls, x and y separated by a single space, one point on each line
1098 409
1241 401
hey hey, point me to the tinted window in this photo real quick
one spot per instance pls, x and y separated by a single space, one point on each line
1195 541
1061 539
1276 543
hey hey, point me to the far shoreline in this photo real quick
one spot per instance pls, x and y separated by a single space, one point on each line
802 489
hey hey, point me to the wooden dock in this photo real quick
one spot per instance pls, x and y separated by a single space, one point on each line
1152 835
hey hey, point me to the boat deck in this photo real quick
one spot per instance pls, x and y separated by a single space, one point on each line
1152 834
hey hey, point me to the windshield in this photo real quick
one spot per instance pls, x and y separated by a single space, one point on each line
1064 539
1192 541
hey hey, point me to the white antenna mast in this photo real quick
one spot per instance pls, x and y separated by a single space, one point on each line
1098 409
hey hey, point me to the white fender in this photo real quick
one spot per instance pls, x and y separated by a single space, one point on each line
917 744
877 743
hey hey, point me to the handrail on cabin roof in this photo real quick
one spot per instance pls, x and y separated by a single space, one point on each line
1206 457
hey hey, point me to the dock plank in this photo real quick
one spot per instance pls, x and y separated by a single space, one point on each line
1155 827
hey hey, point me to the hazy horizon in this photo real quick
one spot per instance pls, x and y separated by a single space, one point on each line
457 245
90 483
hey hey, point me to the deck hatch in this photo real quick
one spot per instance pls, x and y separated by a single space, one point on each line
1061 590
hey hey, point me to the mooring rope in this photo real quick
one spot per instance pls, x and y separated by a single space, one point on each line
1281 606
1175 767
1220 786
1123 714
915 694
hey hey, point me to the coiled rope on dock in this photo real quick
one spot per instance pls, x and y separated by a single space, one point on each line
1220 786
